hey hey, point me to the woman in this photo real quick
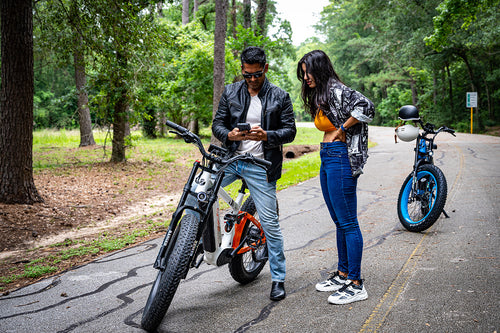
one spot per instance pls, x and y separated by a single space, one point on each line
342 114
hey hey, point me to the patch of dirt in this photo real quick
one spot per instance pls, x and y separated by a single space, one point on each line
493 130
86 203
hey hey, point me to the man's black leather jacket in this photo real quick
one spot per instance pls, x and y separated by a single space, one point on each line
278 120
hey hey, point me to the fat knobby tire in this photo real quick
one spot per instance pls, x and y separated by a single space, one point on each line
434 174
166 283
239 265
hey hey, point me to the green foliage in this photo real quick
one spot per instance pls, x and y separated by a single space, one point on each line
299 170
426 53
161 68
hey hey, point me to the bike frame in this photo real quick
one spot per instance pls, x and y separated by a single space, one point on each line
424 152
221 234
227 229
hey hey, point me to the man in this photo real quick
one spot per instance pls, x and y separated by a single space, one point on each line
269 111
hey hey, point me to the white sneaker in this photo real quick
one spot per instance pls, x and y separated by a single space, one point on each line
349 293
333 283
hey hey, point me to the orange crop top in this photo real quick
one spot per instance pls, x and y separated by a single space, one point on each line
323 123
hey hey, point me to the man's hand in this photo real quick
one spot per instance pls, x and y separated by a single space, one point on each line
237 135
256 133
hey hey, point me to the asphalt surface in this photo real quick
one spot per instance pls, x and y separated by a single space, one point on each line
442 280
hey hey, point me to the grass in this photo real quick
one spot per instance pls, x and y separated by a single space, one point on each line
56 150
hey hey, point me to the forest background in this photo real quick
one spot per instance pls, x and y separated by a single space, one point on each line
111 69
425 53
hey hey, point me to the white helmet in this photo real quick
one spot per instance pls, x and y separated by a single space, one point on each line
407 133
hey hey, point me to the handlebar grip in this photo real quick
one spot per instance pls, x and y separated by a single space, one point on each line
176 127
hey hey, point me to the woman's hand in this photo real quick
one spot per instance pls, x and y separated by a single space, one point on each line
337 135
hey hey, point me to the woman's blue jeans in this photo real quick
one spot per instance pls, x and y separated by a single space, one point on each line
339 191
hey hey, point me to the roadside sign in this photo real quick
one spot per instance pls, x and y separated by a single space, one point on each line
472 99
471 103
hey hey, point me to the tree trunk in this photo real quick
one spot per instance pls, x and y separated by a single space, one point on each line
119 126
261 17
233 18
86 136
159 8
195 7
120 113
247 14
219 54
185 12
16 103
462 54
414 96
450 87
192 120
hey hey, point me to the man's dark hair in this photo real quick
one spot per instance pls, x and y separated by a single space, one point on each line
253 55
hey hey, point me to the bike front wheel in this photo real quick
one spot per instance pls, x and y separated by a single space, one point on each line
167 281
245 267
420 207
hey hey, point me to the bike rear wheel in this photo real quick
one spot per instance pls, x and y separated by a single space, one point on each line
245 267
167 281
419 209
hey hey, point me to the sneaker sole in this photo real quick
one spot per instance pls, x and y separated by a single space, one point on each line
330 288
361 297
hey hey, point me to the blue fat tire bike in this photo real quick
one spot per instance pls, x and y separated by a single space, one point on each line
423 194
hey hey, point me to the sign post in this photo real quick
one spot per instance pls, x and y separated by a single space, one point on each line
471 103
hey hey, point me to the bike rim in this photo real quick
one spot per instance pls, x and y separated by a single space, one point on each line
416 208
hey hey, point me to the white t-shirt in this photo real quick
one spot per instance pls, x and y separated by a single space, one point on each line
253 118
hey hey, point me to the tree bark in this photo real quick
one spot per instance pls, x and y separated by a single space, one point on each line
193 125
86 135
219 54
185 12
450 86
247 14
233 18
195 7
16 103
120 112
261 17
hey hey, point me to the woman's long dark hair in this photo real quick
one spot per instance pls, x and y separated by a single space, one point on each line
319 66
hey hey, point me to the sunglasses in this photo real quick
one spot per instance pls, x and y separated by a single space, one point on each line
255 75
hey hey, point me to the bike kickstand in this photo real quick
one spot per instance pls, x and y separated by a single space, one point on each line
445 214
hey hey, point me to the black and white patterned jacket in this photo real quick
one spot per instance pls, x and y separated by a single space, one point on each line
345 102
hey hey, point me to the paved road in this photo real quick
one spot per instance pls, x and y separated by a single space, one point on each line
443 280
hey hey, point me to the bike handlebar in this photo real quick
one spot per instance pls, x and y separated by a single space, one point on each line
190 137
429 129
176 127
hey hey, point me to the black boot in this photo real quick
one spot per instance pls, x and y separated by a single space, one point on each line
277 291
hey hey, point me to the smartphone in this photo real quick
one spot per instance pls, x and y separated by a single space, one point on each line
243 126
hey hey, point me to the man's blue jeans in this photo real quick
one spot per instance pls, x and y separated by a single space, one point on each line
264 197
339 191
